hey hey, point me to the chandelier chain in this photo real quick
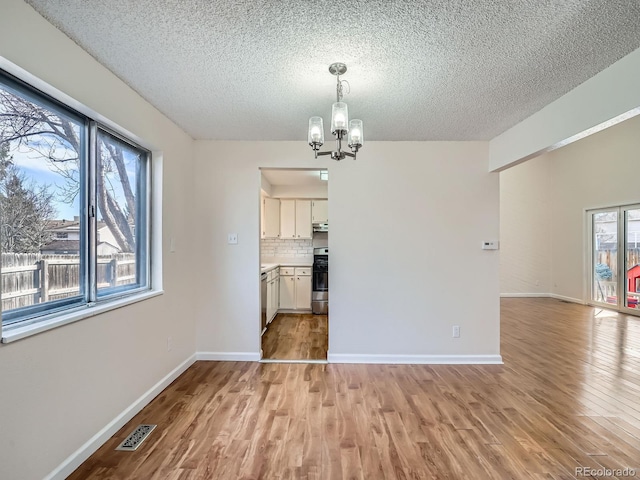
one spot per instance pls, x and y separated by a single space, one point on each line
341 84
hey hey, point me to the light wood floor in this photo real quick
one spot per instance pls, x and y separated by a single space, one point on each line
296 337
567 396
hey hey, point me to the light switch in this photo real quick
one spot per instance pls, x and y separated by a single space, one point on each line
490 245
232 239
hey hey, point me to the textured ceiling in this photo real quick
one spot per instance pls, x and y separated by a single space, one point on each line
418 70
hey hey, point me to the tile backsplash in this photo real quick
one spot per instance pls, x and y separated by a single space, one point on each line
286 248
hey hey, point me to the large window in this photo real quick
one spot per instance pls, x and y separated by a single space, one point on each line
74 208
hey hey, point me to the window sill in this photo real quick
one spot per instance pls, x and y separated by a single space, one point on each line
13 333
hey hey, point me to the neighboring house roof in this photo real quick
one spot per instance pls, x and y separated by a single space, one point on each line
54 225
62 246
115 247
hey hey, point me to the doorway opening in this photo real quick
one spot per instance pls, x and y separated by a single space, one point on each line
294 235
614 258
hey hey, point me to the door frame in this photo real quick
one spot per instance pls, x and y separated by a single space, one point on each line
621 287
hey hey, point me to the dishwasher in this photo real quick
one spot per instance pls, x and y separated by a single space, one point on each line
263 302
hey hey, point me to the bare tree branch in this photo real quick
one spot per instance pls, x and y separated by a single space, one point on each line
56 139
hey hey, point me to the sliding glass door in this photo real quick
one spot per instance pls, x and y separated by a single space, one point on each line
615 257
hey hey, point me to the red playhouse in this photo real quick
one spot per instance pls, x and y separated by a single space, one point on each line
633 285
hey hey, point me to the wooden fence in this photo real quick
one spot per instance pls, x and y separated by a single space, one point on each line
606 290
610 257
32 278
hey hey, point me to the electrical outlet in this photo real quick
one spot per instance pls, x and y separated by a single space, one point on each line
232 239
456 331
169 344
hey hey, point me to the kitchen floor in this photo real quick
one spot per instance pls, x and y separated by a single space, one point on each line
295 336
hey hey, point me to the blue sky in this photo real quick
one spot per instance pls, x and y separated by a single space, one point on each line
39 170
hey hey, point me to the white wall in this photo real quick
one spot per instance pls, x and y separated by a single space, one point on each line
300 191
59 388
598 171
407 223
267 188
525 228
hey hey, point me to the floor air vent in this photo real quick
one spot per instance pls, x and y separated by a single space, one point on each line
133 441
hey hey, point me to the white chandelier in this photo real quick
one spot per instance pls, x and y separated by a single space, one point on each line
339 123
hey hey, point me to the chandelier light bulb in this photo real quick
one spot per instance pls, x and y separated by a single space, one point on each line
316 132
339 117
356 134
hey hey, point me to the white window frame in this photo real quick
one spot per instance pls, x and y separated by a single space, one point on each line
153 259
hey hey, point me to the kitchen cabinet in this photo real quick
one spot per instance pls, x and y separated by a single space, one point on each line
295 219
287 219
269 301
270 217
303 219
295 288
288 291
320 211
303 292
273 294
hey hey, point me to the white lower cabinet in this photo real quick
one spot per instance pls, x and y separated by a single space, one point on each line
303 292
287 292
295 288
273 294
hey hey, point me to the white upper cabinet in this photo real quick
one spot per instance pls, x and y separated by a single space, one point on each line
295 219
320 211
270 217
288 219
303 219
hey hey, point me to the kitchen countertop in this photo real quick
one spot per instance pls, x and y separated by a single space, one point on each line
267 267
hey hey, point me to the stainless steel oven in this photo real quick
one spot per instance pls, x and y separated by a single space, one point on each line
320 273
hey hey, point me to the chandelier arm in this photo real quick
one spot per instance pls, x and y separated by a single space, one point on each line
328 152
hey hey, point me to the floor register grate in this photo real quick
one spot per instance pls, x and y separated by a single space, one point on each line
133 441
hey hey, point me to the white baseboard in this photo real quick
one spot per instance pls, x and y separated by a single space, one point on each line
542 295
228 356
415 359
525 295
567 299
76 459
